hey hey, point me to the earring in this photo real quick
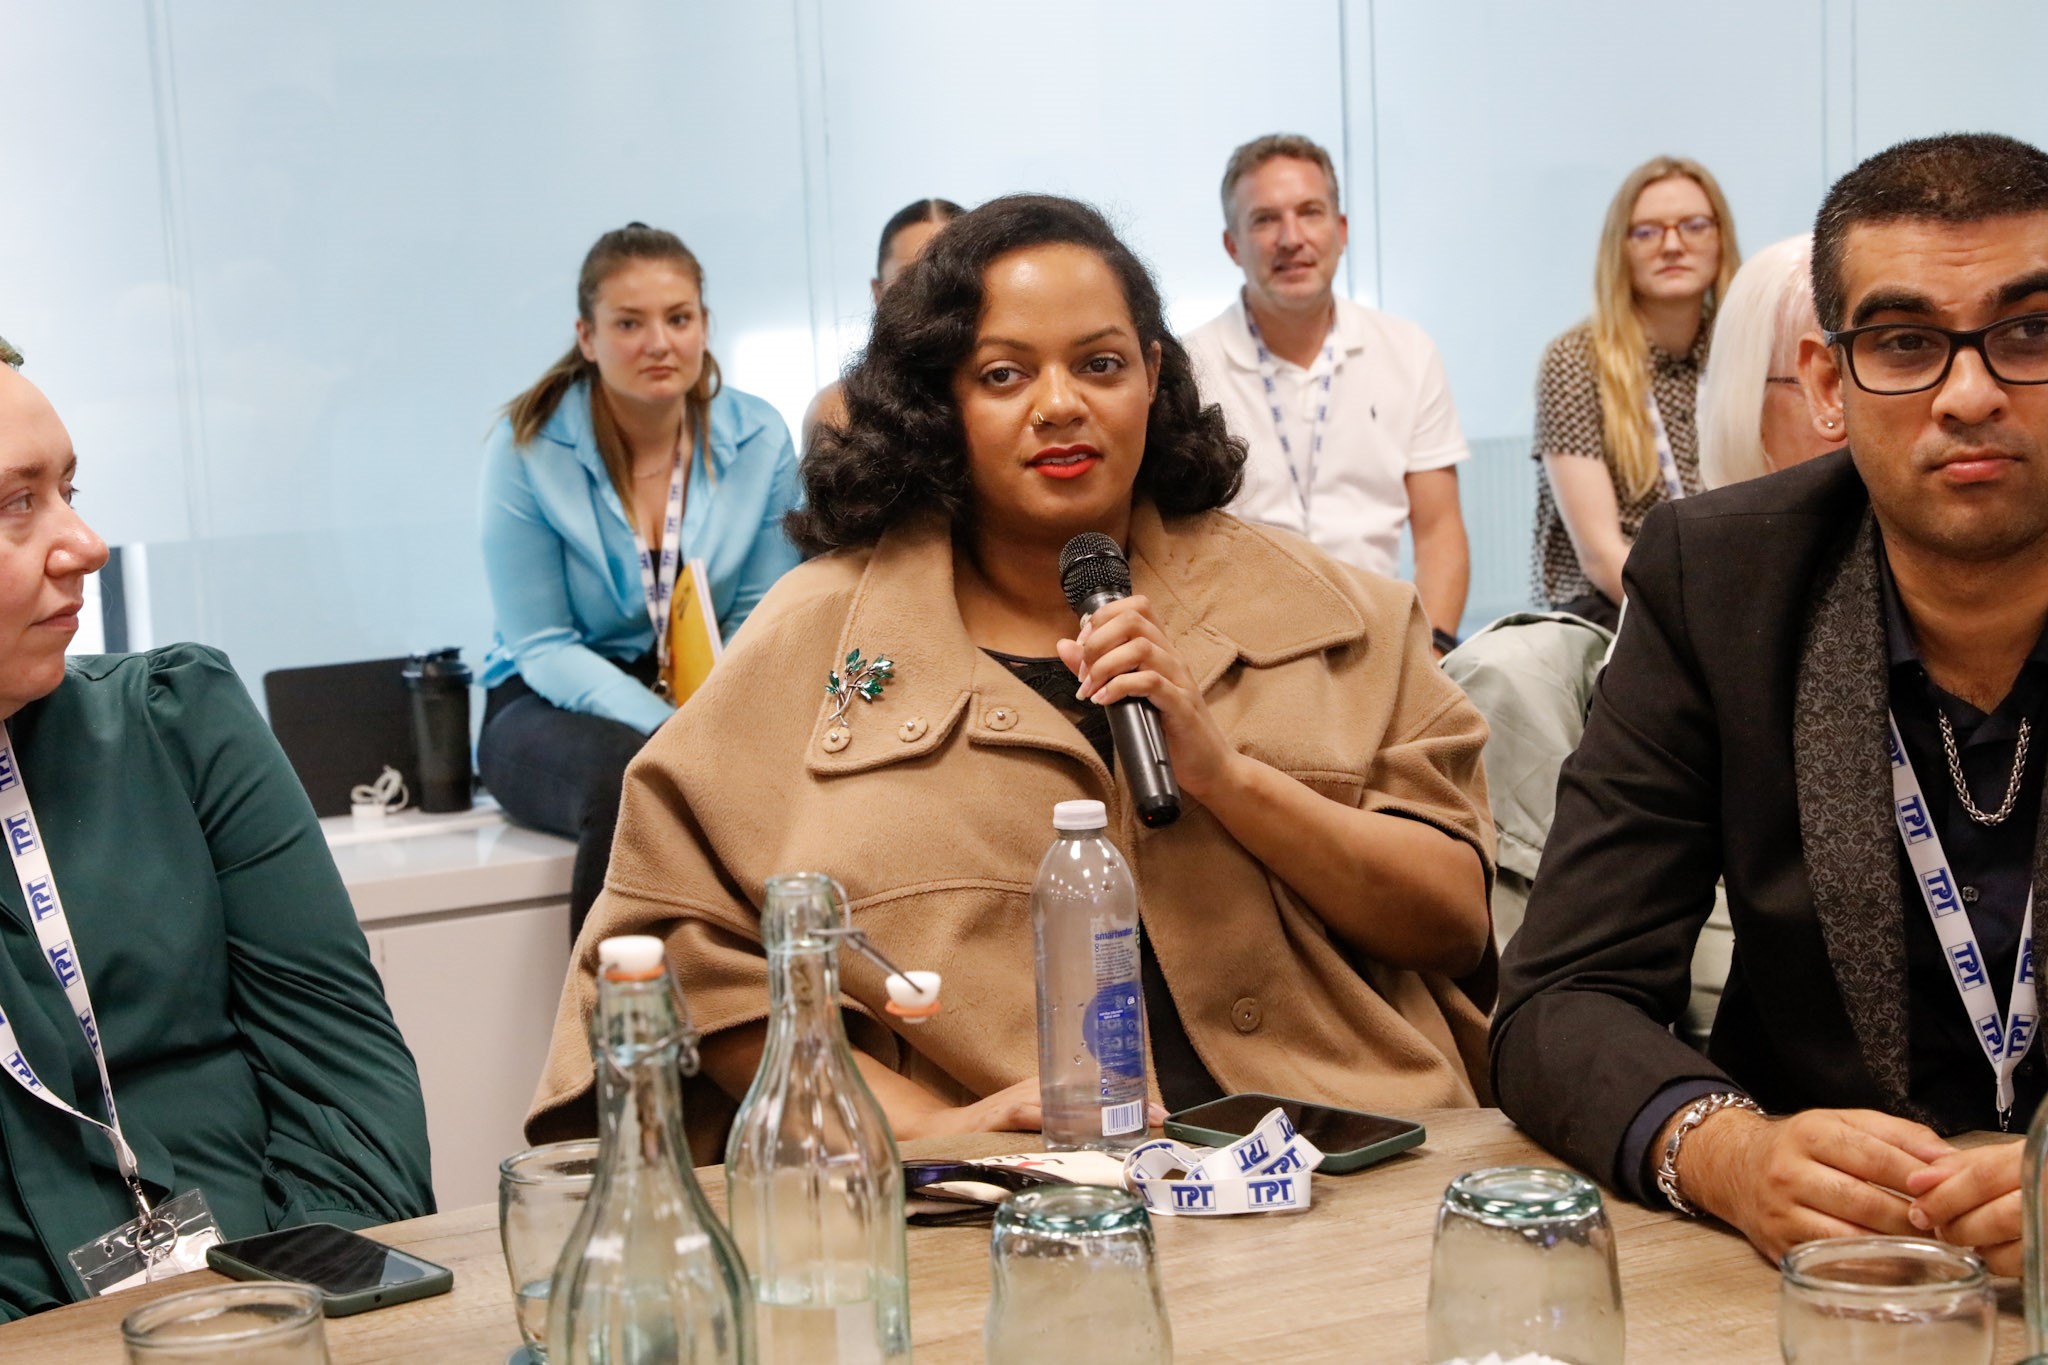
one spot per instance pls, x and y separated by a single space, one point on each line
1828 422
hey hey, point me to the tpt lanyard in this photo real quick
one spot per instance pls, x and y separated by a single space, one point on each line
2004 1041
659 581
1666 461
53 935
1322 377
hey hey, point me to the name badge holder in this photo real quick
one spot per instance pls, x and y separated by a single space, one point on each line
1265 1171
2004 1040
160 1241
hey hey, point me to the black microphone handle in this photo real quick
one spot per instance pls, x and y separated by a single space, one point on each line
1141 749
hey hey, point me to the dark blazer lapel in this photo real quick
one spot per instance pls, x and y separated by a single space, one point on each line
1843 777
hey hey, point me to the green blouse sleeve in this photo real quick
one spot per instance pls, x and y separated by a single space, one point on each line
348 1130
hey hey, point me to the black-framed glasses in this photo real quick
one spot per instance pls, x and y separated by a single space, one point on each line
1893 358
1695 230
926 1207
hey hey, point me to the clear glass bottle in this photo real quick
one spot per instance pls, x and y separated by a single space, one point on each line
2034 1220
812 1176
648 1277
1091 1000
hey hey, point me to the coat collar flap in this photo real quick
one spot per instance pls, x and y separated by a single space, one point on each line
1222 590
1843 777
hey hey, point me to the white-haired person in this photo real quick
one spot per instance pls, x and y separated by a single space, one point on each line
1753 416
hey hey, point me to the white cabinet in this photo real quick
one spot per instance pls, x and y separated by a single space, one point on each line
475 997
467 918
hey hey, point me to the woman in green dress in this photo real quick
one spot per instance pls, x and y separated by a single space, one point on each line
173 873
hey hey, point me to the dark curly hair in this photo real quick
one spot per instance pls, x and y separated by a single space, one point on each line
903 448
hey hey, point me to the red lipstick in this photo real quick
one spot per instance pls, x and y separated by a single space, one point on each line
1066 462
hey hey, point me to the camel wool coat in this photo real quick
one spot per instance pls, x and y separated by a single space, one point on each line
933 806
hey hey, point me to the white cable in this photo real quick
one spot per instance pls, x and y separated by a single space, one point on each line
386 796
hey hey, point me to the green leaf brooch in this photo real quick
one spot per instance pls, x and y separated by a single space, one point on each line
857 677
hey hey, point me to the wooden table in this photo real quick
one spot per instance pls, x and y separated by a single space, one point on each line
1358 1264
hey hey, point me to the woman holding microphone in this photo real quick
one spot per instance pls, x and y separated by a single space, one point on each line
627 461
1309 918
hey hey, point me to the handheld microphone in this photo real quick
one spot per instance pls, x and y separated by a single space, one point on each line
1093 573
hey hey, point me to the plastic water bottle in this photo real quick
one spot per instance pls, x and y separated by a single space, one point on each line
1091 1002
648 1277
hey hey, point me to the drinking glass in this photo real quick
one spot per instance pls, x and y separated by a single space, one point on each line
1524 1263
259 1323
1074 1281
540 1193
1884 1301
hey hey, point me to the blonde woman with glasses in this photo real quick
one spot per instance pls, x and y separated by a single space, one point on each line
1617 394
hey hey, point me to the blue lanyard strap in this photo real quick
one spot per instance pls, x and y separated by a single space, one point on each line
658 580
1322 376
1667 463
2004 1040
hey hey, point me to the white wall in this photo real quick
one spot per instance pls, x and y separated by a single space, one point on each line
279 265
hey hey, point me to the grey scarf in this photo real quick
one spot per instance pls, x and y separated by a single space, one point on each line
1843 777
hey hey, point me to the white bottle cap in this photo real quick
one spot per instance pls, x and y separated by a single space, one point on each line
634 957
1080 815
916 999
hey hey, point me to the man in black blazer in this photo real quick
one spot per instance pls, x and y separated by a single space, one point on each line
1880 881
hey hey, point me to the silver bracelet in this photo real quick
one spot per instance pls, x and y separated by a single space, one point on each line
1696 1113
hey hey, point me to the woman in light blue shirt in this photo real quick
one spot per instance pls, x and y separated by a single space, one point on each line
627 461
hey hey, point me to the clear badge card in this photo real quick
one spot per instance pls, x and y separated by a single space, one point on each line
170 1241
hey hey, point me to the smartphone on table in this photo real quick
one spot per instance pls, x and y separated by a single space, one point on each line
1348 1138
352 1272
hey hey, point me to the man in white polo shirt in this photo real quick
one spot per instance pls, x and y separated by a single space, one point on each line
1345 408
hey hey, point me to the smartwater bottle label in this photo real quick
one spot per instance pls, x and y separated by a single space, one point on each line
1114 1032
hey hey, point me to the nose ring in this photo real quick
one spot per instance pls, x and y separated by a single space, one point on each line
1037 418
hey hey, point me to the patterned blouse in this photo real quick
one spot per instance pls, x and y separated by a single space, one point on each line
1568 423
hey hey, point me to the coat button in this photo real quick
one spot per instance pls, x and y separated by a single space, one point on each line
836 738
1000 718
1246 1014
912 730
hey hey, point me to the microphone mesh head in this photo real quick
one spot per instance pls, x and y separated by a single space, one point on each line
1092 563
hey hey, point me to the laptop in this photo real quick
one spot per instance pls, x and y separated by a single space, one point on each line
341 724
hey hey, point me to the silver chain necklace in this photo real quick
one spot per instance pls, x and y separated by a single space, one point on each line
1955 773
